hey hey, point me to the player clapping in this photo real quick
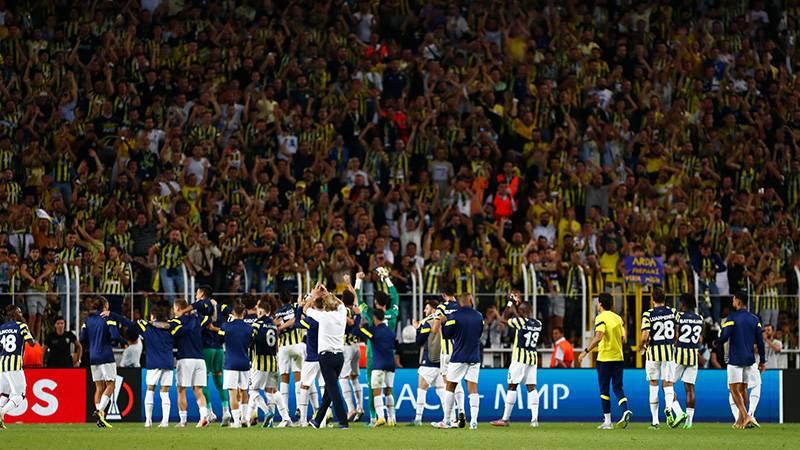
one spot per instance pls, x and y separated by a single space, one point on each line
264 371
524 358
690 328
428 373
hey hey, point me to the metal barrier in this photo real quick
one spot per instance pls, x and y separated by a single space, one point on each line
67 281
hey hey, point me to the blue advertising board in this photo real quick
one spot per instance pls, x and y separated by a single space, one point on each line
566 395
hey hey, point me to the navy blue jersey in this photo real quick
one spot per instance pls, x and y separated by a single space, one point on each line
687 344
206 310
237 337
423 334
464 328
13 336
96 335
291 335
742 330
265 345
382 338
312 331
660 322
158 344
188 337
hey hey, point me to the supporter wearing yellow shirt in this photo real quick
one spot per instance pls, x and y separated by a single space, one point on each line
568 225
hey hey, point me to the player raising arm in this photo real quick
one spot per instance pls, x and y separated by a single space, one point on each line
464 328
264 371
428 373
13 336
158 342
524 358
449 306
237 336
352 355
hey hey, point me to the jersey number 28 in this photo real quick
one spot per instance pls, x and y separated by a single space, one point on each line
663 331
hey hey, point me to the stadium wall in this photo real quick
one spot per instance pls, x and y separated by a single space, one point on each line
64 396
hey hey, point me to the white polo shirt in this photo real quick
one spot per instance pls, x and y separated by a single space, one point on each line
331 329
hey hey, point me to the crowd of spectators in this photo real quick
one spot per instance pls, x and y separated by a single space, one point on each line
254 139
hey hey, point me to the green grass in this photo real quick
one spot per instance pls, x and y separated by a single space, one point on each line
548 435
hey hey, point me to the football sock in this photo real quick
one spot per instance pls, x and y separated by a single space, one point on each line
511 399
379 406
734 408
284 388
14 400
148 406
690 413
474 407
755 396
607 418
278 398
302 403
390 408
359 394
447 406
533 404
654 404
166 405
183 415
421 394
203 412
669 400
104 401
237 416
347 393
313 397
459 396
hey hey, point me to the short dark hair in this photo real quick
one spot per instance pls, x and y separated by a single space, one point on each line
448 290
687 300
382 298
181 303
742 296
206 290
239 308
559 329
58 318
606 300
249 301
658 296
433 303
285 297
161 313
379 315
266 304
348 298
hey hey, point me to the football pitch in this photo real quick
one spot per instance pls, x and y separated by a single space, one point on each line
548 435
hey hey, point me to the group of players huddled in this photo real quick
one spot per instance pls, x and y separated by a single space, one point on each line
268 340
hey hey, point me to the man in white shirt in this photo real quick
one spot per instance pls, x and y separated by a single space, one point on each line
772 347
330 316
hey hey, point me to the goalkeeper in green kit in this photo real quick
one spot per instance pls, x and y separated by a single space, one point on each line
389 304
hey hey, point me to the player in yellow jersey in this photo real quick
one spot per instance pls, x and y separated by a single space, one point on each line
609 334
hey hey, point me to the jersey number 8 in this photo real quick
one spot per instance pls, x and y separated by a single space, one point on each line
9 343
663 331
690 334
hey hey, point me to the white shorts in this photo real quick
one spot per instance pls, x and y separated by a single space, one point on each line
235 379
444 361
659 370
352 357
13 382
191 373
104 372
458 371
310 373
260 379
519 373
687 374
290 358
742 374
755 379
381 379
161 377
431 375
